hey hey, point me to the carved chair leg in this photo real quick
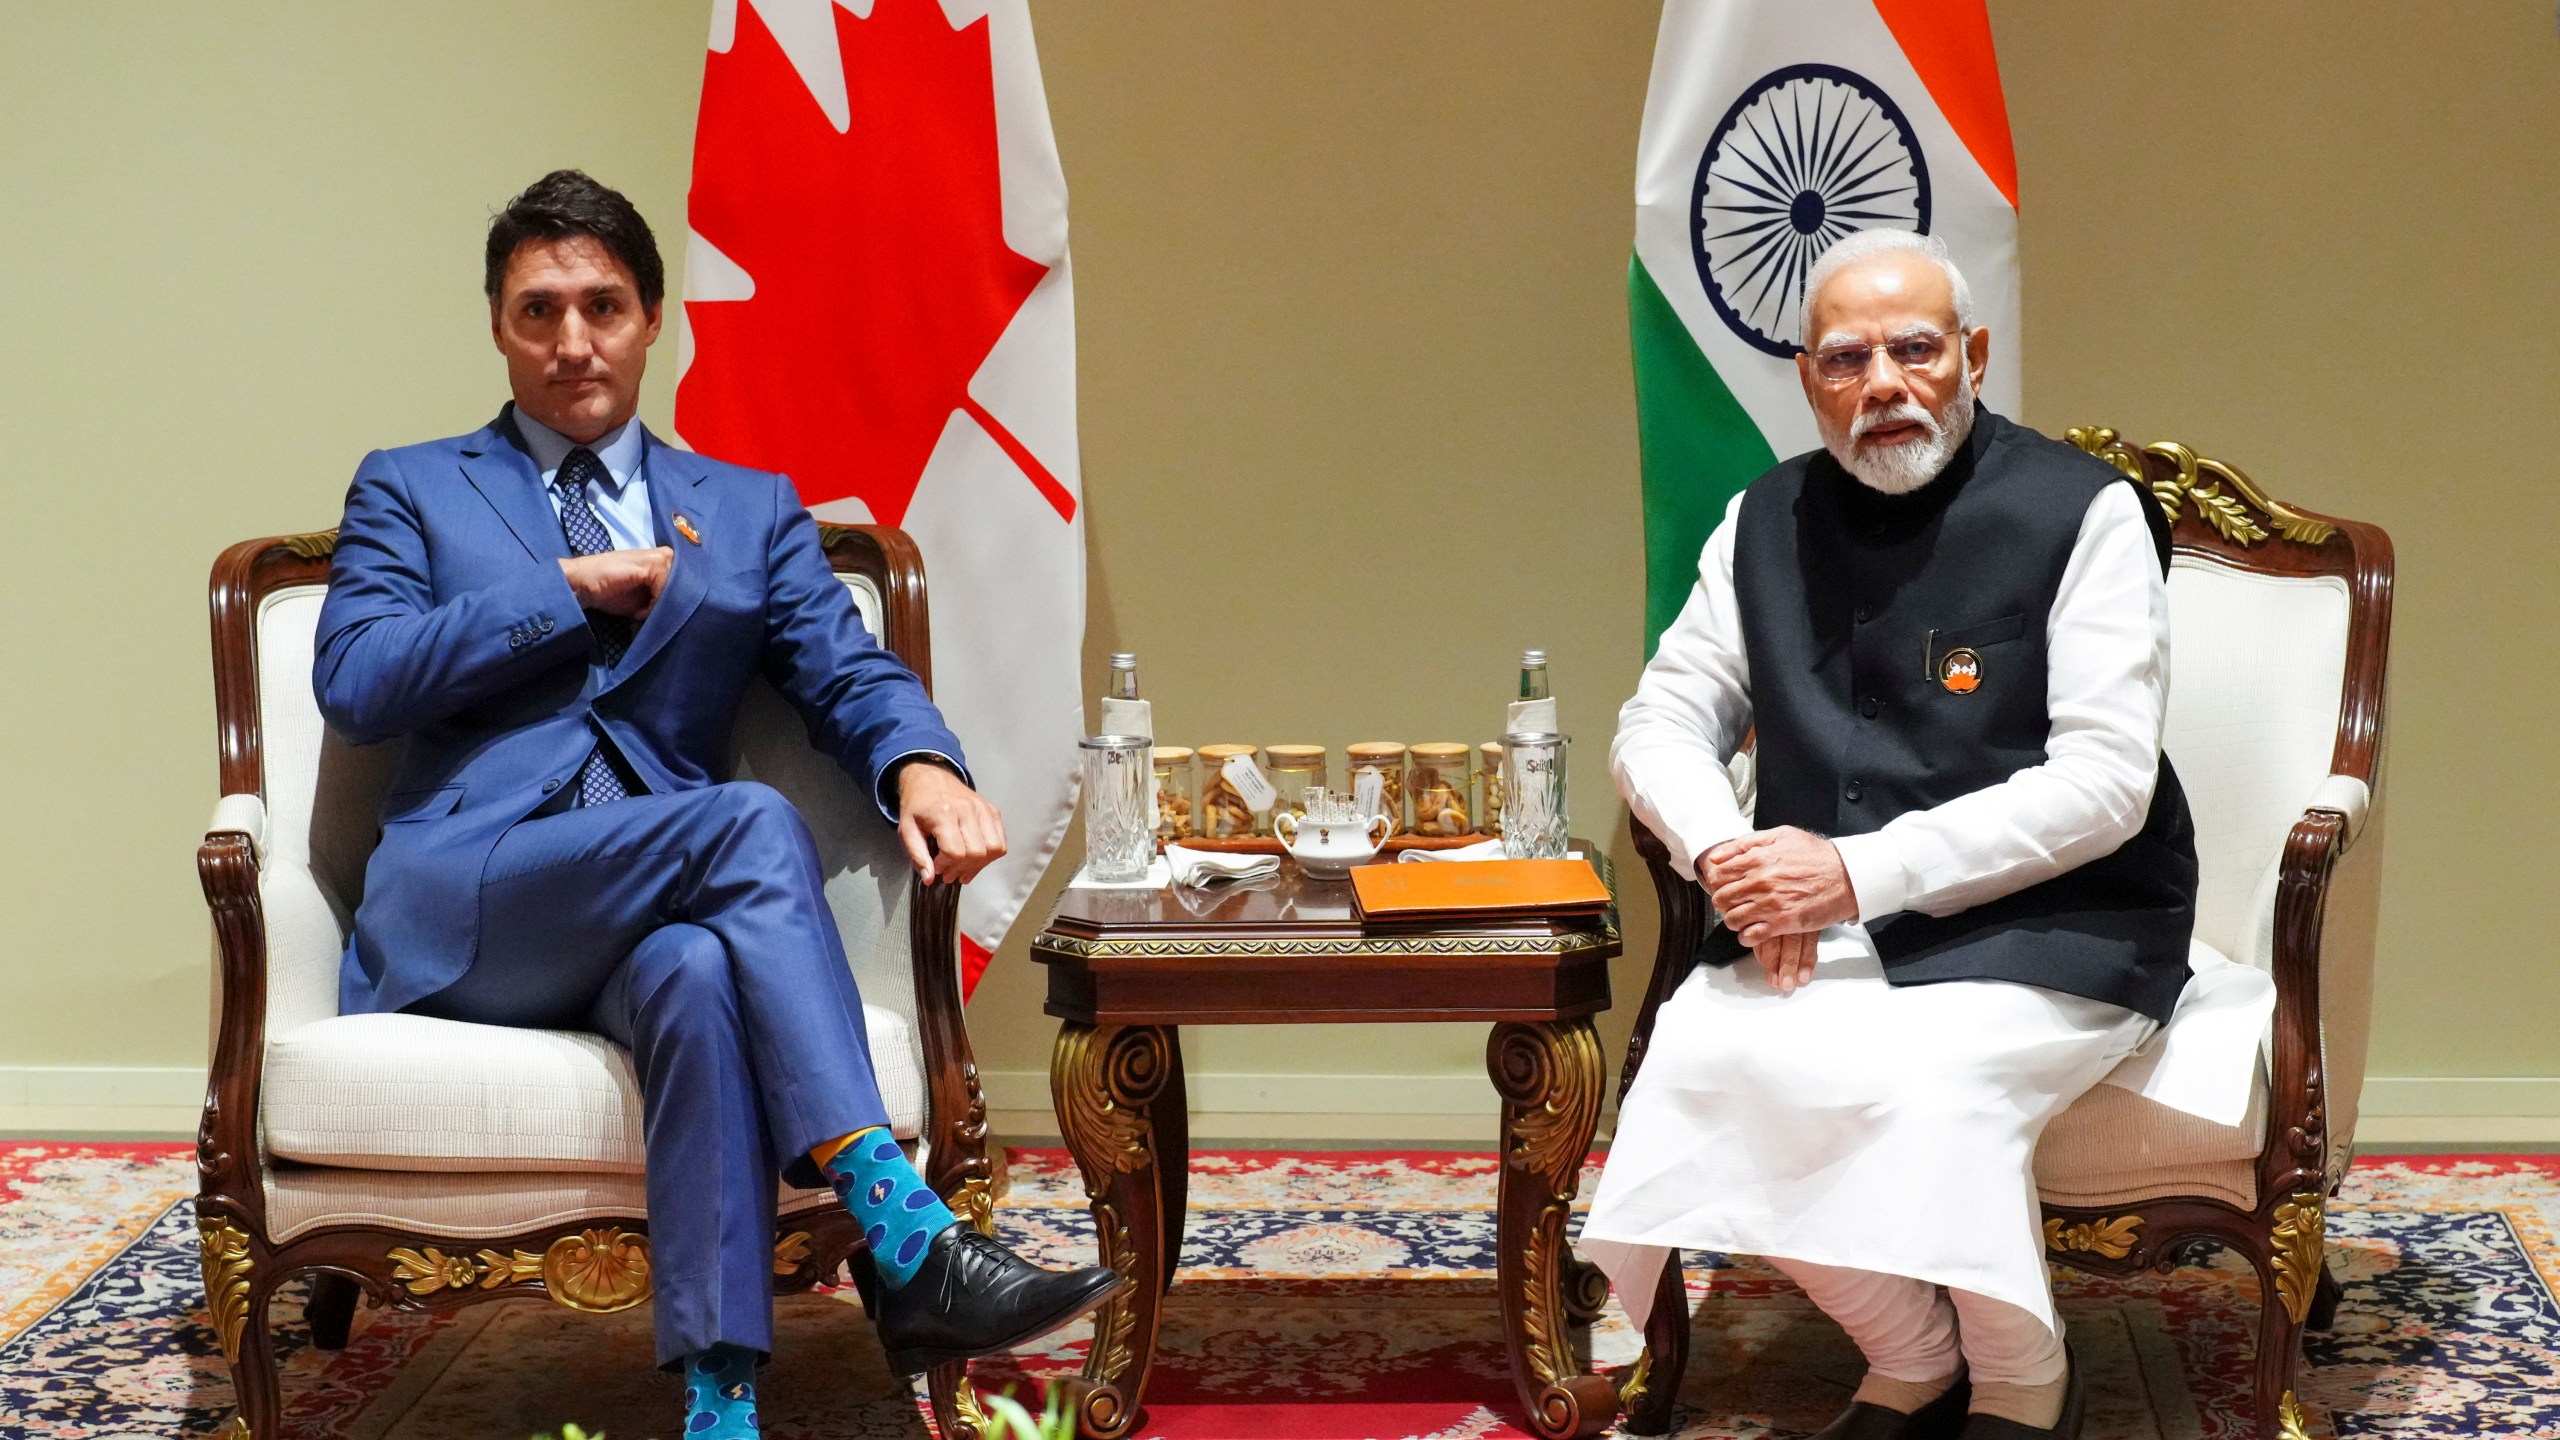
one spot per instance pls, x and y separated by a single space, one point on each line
331 1310
1652 1392
2324 1301
2279 1356
956 1414
253 1370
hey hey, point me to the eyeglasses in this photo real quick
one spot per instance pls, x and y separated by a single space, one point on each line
1918 350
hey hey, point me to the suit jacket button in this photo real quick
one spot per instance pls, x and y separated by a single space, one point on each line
545 626
550 785
1866 613
1852 791
1869 706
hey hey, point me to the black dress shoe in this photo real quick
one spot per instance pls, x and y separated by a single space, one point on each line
1940 1419
973 1297
2074 1402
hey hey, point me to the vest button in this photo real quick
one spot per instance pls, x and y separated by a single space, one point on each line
1869 706
1866 613
1852 791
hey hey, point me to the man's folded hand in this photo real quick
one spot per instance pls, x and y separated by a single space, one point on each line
620 582
1787 960
1772 883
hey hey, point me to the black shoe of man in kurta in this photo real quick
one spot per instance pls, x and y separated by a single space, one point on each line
1940 1419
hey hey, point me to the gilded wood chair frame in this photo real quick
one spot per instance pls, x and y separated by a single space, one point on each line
2215 513
598 1264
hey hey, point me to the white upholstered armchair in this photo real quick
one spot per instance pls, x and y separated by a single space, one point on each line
433 1163
2280 634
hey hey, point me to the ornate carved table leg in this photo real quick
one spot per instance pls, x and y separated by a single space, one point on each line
1549 1076
1108 1084
1172 1116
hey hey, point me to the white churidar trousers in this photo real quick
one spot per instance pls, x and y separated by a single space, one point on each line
1860 1126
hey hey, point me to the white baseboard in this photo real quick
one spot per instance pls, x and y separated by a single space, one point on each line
2405 1109
101 1099
2454 1109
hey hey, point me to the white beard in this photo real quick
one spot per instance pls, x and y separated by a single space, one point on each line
1901 469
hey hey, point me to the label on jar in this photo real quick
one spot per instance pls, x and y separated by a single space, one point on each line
1369 792
1251 785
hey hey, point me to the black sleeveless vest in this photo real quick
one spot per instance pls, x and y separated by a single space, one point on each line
1897 654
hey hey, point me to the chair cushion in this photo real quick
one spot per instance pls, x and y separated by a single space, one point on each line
2112 1147
405 1092
468 1205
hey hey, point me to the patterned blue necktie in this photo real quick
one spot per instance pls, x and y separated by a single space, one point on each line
597 782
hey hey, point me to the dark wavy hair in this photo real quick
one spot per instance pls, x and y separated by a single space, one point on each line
571 202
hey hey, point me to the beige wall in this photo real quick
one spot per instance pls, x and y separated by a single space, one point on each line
1356 412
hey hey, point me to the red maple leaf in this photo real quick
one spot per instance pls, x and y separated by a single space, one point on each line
882 277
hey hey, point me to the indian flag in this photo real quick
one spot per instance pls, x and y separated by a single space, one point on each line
1772 129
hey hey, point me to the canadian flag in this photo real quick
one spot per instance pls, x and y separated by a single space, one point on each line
877 301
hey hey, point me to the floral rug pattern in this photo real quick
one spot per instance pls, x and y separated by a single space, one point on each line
1323 1296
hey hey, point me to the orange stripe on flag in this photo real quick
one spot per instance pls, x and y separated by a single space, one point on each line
1949 43
1029 464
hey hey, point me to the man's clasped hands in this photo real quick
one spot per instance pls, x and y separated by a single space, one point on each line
1777 889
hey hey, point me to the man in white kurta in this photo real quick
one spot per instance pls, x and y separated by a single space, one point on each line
1864 1120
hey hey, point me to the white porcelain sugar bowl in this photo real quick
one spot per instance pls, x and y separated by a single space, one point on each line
1334 834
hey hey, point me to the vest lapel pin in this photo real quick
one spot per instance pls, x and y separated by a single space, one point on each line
685 528
1960 671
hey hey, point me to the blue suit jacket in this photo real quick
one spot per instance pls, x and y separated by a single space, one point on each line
449 622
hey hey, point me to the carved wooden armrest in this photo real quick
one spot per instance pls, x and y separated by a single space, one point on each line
956 1117
1684 928
2296 1155
227 1139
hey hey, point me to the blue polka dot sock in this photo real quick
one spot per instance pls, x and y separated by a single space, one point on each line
899 1213
720 1394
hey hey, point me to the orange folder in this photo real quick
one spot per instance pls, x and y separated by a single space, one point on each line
1476 888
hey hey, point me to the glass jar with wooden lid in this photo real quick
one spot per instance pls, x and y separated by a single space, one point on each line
1292 769
1489 788
1177 794
1436 777
1223 813
1385 758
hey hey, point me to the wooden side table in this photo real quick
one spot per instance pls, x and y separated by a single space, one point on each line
1128 968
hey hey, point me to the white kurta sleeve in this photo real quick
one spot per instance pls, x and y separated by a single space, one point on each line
1691 709
2107 693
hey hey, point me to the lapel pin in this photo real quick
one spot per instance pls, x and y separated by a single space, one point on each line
1960 671
685 528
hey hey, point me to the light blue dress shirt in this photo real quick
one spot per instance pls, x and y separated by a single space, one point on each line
621 498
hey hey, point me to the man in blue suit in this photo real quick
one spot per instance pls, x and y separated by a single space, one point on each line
557 614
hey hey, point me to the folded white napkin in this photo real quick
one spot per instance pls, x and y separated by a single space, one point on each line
1157 877
1200 867
1481 850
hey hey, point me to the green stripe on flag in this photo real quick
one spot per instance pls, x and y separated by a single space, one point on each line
1698 445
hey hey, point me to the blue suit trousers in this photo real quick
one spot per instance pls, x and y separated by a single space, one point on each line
692 928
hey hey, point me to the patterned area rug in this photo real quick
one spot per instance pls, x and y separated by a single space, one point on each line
1329 1296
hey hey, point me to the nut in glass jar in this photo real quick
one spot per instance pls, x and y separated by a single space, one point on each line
1177 794
1489 787
1385 758
1223 813
1436 778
